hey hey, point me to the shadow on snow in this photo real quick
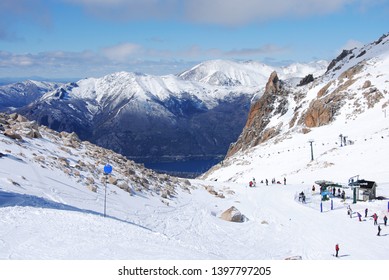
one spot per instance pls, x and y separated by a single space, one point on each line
10 199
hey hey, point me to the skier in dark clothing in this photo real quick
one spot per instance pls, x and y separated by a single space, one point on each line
366 210
379 230
385 220
337 250
284 181
267 182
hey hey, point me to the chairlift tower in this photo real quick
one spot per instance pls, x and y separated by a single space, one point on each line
341 140
311 142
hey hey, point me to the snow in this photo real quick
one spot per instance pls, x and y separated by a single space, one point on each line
46 214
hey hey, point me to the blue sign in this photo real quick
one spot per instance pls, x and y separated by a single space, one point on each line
107 169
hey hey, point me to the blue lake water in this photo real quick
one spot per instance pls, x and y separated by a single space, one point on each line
188 168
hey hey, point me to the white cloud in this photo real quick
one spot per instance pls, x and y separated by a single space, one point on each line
130 9
224 12
126 56
122 51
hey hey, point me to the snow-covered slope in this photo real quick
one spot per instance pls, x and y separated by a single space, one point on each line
52 205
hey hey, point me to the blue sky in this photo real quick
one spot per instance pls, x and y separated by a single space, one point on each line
83 38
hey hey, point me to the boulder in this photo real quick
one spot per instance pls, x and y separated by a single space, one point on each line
112 180
33 134
12 134
232 214
306 80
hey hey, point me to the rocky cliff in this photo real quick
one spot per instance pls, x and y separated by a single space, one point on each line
257 130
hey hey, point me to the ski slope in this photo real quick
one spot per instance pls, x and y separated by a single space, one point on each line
48 216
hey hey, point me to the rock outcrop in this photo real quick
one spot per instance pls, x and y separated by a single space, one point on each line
232 214
273 102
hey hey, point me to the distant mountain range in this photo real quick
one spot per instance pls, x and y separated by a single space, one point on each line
196 114
16 95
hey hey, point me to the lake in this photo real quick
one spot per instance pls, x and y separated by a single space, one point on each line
185 169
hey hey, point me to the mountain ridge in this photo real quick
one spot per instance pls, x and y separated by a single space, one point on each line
144 115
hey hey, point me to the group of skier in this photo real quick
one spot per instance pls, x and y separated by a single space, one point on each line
252 183
375 219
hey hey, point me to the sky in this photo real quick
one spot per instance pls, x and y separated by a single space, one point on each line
71 39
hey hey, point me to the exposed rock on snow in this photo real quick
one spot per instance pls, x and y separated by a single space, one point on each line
232 214
12 134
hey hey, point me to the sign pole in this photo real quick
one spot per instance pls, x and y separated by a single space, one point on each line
105 193
107 170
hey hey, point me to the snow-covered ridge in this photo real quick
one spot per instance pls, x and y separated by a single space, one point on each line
375 51
248 73
16 95
208 82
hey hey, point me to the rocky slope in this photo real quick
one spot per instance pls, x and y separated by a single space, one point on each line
356 81
82 162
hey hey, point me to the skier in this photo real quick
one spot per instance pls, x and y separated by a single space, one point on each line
313 188
351 212
375 217
267 182
254 183
337 250
385 220
251 184
284 181
359 216
379 230
301 195
366 210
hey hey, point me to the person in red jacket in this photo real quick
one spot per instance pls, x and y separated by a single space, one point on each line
337 249
375 217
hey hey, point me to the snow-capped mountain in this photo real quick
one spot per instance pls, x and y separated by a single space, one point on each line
145 116
351 99
17 95
248 73
160 117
